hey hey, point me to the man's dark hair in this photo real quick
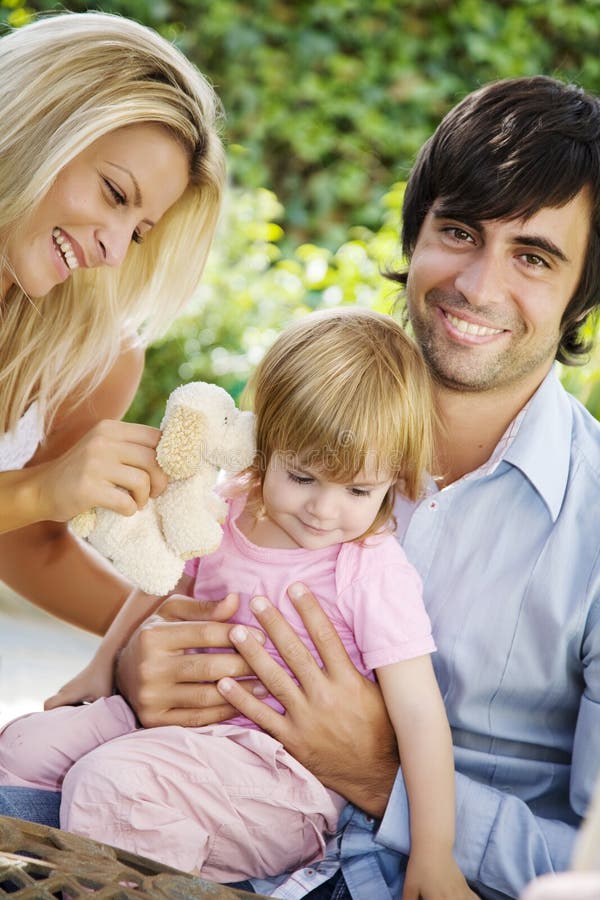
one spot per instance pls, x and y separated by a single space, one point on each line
504 152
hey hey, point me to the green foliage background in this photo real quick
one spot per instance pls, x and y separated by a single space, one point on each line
327 103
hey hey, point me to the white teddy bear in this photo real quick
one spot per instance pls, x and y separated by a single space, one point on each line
203 432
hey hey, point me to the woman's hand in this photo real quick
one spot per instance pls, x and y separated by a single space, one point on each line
167 686
113 466
336 723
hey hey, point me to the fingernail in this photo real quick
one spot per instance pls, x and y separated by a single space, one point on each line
260 690
296 590
258 604
225 685
238 634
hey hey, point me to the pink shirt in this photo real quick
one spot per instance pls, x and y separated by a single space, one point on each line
370 591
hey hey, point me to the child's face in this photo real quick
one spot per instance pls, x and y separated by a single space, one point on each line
311 512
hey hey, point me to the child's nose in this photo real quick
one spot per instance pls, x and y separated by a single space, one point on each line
322 503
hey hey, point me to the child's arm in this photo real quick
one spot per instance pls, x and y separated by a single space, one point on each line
96 679
416 708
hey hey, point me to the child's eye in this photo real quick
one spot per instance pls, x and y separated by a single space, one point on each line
300 479
359 492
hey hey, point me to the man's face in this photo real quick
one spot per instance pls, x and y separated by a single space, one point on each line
486 299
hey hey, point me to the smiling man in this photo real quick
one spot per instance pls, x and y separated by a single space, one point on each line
501 230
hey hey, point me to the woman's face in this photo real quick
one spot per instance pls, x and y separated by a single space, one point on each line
107 198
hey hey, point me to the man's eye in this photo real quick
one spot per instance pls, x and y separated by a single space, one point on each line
458 234
532 259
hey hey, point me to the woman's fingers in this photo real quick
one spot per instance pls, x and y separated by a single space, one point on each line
112 466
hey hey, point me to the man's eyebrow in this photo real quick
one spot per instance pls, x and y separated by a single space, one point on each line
537 242
137 194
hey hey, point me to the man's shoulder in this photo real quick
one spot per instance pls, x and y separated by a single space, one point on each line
585 438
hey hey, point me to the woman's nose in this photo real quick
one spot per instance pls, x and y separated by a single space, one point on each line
114 244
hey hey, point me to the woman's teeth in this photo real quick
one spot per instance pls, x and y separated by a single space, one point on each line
65 248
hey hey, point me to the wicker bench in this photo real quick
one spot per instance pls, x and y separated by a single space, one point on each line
42 863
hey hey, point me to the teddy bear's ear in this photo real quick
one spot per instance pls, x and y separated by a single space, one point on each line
179 448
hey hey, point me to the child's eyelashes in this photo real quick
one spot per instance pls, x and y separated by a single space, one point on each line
309 479
300 479
359 492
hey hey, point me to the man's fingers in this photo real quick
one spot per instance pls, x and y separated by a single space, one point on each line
321 630
199 704
248 705
189 717
291 649
176 636
274 678
204 669
180 607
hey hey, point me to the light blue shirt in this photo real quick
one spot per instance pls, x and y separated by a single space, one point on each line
510 563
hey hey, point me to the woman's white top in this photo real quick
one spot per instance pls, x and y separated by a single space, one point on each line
18 446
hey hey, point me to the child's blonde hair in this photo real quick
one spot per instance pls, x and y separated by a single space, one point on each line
65 81
342 388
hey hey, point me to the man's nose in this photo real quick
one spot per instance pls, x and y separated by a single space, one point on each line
482 280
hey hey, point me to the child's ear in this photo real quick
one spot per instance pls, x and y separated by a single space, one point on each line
180 448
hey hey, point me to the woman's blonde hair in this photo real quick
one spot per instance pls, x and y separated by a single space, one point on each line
342 388
65 81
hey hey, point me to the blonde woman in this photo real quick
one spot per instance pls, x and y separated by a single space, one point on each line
344 412
111 174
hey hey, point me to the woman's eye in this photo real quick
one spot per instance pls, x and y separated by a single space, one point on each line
137 238
119 198
359 492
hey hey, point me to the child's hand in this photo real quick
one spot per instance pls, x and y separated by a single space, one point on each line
95 681
430 876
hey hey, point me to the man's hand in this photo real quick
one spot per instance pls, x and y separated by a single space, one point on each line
336 723
167 686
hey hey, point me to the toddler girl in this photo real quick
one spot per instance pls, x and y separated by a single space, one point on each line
344 414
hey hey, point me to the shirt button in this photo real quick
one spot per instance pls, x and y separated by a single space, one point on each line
309 872
433 504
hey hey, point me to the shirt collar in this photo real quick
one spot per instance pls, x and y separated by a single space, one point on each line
542 447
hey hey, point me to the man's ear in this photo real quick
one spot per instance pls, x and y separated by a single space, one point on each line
179 451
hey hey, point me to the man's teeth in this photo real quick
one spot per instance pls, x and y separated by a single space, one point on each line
65 248
470 328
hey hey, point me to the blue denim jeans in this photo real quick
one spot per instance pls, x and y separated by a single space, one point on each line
31 804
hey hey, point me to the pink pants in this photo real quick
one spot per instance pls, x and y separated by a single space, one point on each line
224 801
